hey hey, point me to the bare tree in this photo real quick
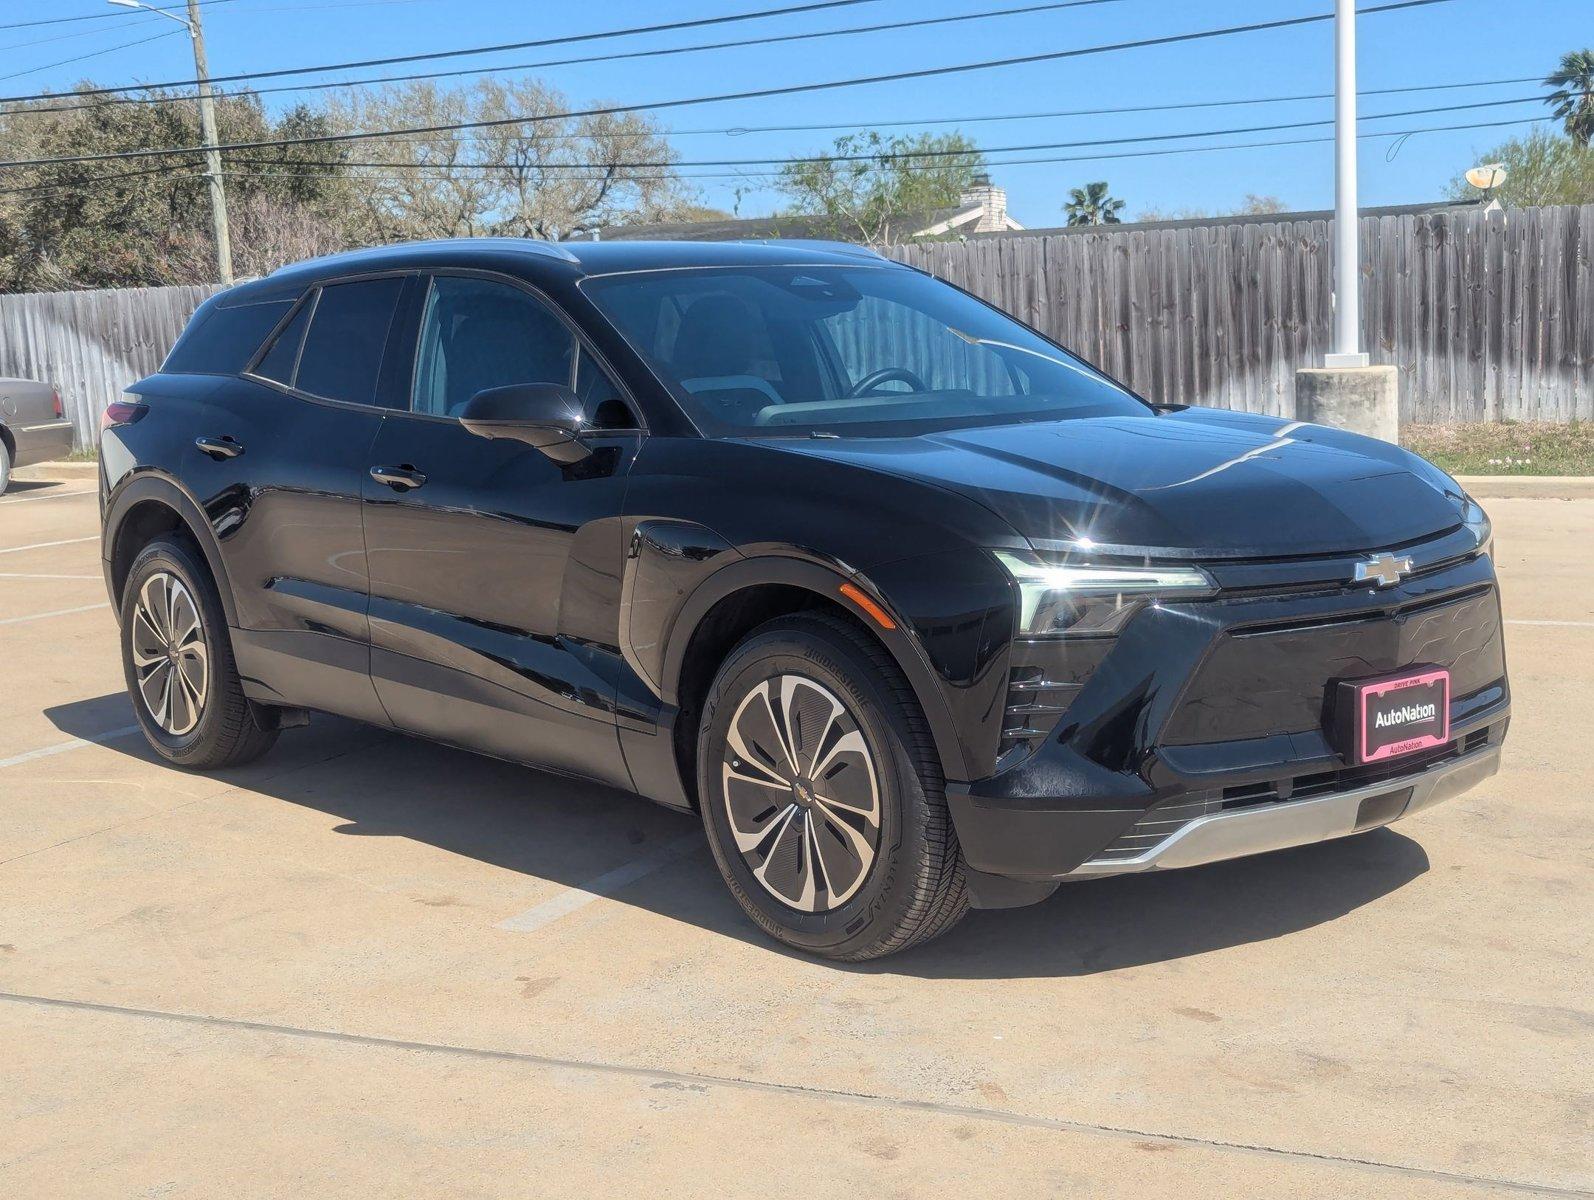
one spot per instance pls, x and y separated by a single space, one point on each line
537 173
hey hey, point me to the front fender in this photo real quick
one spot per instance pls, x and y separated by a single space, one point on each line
823 579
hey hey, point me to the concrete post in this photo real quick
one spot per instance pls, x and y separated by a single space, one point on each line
1359 399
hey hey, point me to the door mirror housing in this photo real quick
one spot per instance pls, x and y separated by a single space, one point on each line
546 416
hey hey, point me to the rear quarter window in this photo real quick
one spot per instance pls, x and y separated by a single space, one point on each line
221 341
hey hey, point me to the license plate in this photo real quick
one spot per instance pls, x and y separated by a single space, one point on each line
1400 714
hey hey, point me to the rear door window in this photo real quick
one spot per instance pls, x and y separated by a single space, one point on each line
342 354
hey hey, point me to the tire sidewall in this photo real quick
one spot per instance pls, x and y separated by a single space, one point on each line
5 466
171 556
888 892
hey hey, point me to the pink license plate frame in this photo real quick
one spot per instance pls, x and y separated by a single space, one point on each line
1380 689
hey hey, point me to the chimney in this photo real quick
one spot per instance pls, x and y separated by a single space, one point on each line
989 197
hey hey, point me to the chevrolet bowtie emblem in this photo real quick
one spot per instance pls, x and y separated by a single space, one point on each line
1384 570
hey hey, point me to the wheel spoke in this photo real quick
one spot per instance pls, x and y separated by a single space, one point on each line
782 735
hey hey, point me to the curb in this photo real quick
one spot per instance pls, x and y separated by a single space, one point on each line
1528 487
63 465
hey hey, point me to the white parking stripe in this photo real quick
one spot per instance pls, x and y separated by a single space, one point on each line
62 747
26 575
1557 624
60 612
47 545
608 883
51 496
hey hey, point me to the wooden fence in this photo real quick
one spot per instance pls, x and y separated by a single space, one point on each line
92 344
1488 317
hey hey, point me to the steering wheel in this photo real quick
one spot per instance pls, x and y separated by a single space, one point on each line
887 375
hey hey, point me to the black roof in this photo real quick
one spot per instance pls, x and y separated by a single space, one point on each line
556 260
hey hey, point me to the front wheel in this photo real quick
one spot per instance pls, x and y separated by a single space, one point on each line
823 796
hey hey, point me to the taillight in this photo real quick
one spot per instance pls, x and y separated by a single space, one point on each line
122 412
55 395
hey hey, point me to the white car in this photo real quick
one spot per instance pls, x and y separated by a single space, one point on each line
33 427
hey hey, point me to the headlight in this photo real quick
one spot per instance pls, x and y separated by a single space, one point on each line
1476 521
1081 599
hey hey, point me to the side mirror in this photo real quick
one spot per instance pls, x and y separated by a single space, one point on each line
546 416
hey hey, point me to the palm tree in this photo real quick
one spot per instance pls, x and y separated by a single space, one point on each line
1091 205
1573 99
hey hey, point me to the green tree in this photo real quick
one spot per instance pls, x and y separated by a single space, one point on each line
866 184
1093 205
1541 168
146 221
1573 98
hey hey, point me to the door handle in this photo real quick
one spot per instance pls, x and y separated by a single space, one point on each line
219 448
400 479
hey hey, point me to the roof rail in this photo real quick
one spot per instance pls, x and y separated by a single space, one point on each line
822 244
531 245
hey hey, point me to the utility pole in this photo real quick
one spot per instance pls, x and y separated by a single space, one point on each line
1347 349
207 130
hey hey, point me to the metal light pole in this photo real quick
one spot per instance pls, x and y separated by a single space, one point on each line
207 129
1347 350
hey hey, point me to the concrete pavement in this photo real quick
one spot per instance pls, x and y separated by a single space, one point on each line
367 965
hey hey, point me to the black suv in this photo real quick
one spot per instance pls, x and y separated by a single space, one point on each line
916 608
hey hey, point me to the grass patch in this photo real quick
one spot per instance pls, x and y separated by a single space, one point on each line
1507 448
91 454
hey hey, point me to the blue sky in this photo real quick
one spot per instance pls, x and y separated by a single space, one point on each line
1459 41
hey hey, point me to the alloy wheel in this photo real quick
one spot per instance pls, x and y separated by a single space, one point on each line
170 661
801 793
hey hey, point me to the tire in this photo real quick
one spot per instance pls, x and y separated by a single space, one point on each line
778 839
5 466
223 728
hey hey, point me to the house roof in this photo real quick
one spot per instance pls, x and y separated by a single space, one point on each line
1280 218
734 229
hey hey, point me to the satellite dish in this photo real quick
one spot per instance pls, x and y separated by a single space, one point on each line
1487 177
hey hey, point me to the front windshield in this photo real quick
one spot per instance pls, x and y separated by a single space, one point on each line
849 351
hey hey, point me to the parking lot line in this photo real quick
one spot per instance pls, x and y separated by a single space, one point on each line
98 739
51 496
1556 624
26 575
59 612
607 884
47 545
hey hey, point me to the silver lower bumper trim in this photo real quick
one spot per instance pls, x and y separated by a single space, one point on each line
1267 827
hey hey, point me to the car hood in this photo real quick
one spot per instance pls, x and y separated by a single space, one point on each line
1194 483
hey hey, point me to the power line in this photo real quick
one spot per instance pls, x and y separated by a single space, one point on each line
92 54
99 16
881 27
695 23
1161 152
759 93
914 155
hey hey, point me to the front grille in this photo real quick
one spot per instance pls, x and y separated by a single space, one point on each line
1162 822
1276 679
1046 676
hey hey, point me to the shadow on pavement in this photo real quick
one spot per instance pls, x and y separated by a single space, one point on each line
383 784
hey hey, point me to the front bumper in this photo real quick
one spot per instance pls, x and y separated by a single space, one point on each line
1217 836
1204 731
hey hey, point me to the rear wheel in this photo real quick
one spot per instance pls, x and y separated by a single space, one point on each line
5 466
178 662
822 794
